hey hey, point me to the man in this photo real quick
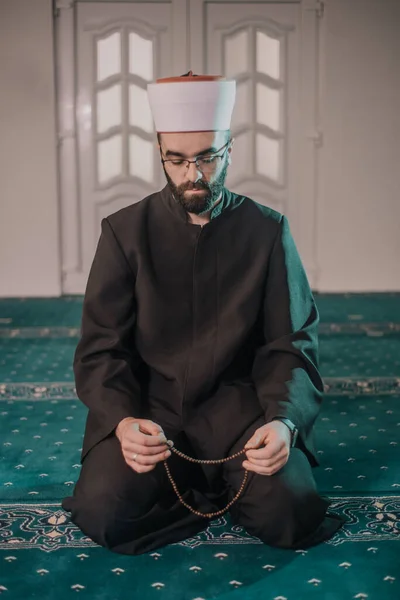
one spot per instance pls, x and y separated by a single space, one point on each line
198 326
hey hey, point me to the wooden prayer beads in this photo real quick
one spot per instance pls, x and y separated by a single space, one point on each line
205 462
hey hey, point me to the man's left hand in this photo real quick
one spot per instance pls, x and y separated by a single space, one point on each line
268 449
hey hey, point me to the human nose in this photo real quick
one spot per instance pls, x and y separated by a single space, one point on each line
193 174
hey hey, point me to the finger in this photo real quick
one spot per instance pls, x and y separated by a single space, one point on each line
147 440
264 464
147 450
142 459
268 462
270 451
255 440
148 428
140 468
264 470
151 428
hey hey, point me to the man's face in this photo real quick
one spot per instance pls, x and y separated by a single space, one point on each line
184 181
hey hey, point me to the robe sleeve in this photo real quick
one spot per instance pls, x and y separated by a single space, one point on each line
105 358
285 369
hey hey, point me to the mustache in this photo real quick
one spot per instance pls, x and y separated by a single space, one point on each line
195 187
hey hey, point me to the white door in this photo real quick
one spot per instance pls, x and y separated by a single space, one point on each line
120 47
269 48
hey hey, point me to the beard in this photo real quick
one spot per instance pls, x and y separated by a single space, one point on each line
198 203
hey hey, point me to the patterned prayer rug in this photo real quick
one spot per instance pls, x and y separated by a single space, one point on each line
44 555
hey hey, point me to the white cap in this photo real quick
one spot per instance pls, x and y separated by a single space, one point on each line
192 103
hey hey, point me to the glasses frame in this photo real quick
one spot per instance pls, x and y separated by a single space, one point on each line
187 161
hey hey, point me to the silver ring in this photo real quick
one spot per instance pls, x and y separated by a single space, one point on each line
134 456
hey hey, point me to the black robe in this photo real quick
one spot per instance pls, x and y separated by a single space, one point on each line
201 329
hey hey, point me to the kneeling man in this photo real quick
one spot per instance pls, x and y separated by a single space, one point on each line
199 329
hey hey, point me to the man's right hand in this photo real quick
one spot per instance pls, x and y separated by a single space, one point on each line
143 439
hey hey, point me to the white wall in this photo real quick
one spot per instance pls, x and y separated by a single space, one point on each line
358 212
359 175
29 232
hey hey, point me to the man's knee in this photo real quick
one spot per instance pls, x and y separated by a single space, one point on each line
282 509
108 522
286 523
110 500
109 509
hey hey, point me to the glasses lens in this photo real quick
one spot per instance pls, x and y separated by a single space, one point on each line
177 164
209 164
206 164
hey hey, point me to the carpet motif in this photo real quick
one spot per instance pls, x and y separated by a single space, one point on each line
46 527
332 386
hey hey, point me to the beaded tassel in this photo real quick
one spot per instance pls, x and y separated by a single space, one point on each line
205 462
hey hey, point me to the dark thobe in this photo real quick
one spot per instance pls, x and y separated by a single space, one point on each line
210 332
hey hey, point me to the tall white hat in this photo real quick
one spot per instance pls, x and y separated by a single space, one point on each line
192 103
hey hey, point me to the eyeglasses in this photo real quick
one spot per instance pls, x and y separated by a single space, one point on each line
205 164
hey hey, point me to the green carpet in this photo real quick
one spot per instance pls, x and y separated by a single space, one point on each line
44 555
66 311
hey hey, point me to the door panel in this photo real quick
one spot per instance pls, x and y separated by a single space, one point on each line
121 47
269 48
